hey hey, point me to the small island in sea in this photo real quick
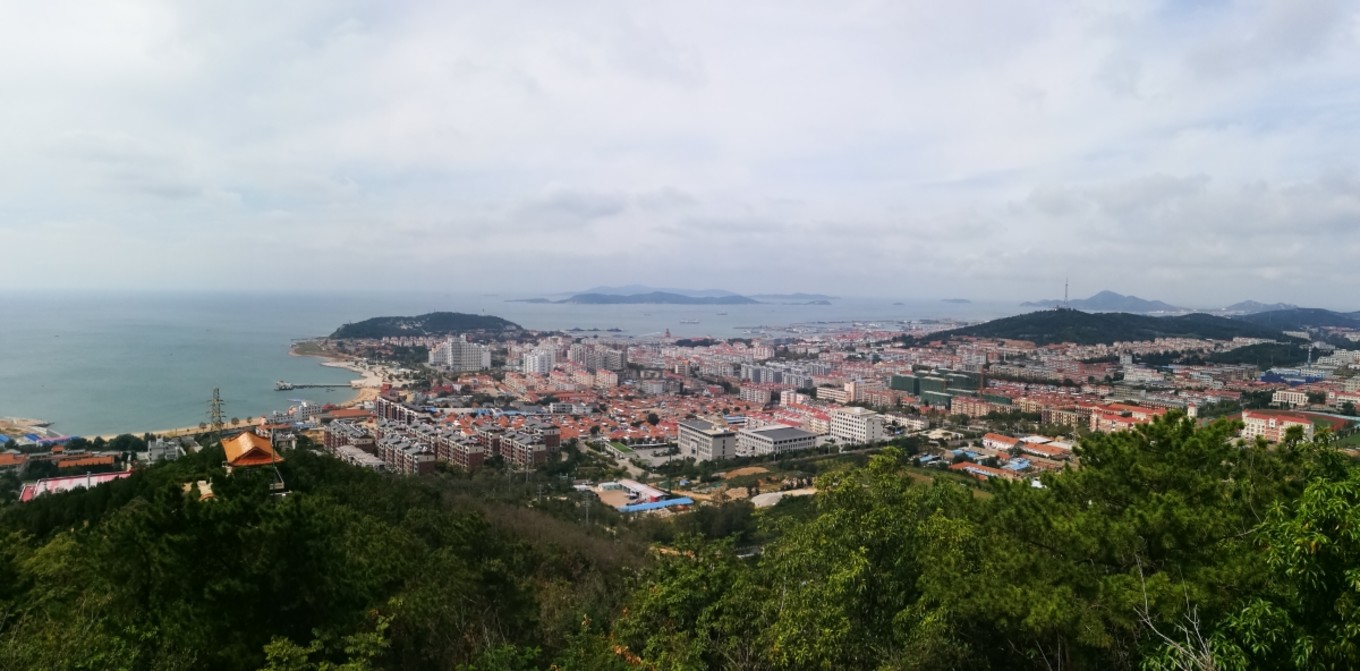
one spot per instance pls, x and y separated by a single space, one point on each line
652 298
432 324
955 300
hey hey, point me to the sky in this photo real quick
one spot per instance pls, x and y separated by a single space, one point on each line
1198 152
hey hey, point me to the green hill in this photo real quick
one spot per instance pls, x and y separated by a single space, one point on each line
1301 318
432 324
1055 326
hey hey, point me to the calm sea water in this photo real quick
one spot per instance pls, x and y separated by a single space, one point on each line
113 362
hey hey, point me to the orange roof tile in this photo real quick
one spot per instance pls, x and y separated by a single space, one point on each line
248 449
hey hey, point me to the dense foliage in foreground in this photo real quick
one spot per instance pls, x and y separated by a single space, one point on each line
1172 547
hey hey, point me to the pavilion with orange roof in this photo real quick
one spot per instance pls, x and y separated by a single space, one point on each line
248 449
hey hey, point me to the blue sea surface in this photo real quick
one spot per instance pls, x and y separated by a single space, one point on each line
100 363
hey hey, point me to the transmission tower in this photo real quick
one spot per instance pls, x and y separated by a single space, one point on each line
215 410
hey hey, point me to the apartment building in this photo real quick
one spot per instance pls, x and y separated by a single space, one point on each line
858 426
1273 426
1289 398
460 356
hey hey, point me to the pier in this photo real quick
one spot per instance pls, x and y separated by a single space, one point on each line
284 385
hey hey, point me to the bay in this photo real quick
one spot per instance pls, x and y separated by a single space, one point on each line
111 362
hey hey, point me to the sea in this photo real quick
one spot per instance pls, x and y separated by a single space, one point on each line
97 363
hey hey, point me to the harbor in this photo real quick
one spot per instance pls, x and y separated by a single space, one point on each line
284 385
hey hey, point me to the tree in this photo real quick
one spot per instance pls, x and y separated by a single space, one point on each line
653 418
1307 615
1155 519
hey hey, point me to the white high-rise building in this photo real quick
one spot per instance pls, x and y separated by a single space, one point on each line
461 356
539 362
857 426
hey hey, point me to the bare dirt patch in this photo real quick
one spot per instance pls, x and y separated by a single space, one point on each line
749 470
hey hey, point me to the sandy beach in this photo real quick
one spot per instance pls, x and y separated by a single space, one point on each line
366 389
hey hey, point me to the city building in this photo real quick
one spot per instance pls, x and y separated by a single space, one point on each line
1289 398
1273 425
705 440
460 356
773 439
858 426
539 362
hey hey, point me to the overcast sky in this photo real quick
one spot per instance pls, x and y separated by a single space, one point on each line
1196 152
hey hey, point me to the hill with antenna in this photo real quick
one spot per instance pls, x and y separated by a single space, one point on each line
1109 301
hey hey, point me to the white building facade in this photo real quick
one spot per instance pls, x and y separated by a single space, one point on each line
773 439
460 356
706 441
856 425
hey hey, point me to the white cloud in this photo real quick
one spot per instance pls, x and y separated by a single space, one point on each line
1188 151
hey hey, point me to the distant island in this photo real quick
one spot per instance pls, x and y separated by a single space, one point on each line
1108 301
795 297
653 298
955 300
1084 328
432 324
1253 307
632 289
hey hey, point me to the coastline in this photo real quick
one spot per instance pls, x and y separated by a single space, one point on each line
366 389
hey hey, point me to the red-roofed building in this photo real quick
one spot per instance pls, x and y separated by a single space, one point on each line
983 472
1273 425
996 441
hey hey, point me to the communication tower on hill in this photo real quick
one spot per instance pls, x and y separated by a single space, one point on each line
215 410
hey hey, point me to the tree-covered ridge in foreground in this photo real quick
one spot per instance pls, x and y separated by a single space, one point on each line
1172 547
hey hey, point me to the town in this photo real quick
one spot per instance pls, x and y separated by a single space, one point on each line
661 423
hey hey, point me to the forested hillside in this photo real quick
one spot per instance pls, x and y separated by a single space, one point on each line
432 324
1172 547
1084 328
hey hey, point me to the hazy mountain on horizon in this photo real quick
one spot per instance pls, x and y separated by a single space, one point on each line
656 298
635 289
1109 301
1250 307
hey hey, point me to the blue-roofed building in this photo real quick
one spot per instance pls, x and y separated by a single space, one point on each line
1017 464
656 505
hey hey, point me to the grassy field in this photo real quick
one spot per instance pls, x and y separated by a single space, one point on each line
621 447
